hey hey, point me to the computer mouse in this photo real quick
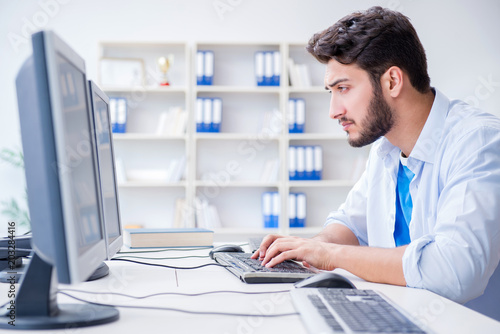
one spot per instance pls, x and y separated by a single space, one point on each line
326 279
226 249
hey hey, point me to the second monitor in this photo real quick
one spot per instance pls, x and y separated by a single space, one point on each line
105 160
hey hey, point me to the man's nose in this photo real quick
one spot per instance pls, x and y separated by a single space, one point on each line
337 110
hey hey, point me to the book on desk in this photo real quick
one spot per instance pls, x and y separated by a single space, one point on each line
167 237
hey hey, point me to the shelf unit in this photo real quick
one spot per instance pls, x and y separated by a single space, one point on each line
225 168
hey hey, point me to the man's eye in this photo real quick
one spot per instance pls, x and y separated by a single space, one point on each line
341 89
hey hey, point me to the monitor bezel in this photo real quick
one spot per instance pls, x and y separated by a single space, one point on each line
80 266
115 245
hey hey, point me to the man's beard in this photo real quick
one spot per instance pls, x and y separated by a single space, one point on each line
378 121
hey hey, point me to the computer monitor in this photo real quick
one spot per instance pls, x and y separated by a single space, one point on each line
63 188
106 163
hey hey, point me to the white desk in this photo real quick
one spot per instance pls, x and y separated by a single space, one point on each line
440 314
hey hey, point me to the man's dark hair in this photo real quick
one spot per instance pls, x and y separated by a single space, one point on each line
375 40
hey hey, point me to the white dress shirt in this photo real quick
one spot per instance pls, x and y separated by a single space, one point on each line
455 222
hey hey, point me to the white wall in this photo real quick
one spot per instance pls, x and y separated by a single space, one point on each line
461 39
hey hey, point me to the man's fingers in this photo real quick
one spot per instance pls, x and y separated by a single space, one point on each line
287 255
255 254
264 245
280 246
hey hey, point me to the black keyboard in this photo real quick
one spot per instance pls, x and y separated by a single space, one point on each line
350 310
251 271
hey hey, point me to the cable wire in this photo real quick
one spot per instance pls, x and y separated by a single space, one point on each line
182 310
171 267
175 293
162 258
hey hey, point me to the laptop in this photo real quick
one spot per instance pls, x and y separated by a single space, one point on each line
251 271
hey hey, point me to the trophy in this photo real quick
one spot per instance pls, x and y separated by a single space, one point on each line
164 64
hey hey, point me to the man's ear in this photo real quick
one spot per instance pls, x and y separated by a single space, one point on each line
392 81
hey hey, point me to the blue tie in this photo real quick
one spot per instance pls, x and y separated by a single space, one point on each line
404 206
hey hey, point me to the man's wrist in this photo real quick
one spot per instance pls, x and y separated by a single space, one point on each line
333 255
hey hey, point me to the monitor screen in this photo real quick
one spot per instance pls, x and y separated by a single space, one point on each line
105 158
79 164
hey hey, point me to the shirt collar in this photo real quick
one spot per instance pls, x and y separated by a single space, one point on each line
429 138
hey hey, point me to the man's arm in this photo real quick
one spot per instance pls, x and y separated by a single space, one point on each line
381 265
338 234
336 247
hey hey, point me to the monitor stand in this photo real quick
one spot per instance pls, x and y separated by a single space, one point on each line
100 272
9 276
36 307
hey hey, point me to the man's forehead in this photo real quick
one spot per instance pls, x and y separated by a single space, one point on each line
336 71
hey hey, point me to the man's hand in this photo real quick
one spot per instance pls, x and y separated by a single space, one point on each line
316 246
276 249
336 247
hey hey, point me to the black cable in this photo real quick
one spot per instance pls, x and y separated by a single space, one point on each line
183 311
171 267
162 258
176 293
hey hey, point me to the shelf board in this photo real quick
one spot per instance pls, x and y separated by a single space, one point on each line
232 136
316 136
239 184
146 89
264 231
245 230
145 136
322 183
313 89
141 44
151 184
235 89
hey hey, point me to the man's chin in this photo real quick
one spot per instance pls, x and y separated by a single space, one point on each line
360 141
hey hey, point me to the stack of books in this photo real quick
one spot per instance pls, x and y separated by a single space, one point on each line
296 115
271 123
204 68
118 114
172 122
205 214
271 171
299 74
305 163
208 114
167 237
268 68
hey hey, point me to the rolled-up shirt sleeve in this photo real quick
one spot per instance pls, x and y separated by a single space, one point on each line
457 259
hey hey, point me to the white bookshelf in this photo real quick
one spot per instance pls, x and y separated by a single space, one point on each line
225 168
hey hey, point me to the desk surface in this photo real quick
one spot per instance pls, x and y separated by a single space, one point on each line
439 314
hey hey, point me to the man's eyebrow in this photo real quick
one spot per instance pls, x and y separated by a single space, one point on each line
336 82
